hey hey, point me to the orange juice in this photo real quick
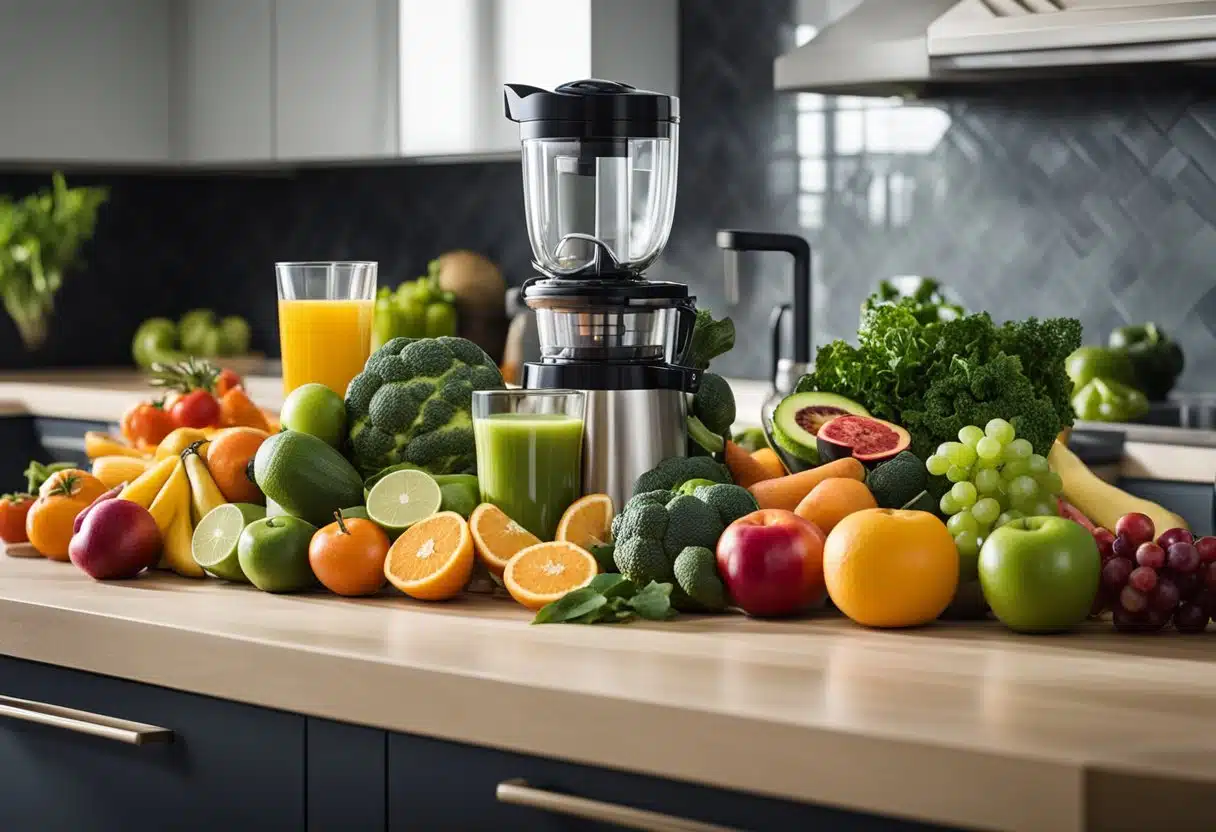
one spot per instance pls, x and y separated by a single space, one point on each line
325 341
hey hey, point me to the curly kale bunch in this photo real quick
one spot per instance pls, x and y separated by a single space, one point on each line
413 403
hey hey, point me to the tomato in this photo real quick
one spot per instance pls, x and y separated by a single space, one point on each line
13 509
145 424
196 409
227 380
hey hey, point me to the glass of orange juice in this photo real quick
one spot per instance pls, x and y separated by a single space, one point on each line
325 321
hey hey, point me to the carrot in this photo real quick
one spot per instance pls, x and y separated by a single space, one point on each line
787 492
744 470
771 462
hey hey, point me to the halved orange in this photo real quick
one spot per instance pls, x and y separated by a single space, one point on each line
433 559
588 521
546 571
497 537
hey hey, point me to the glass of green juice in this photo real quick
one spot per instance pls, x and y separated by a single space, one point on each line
530 453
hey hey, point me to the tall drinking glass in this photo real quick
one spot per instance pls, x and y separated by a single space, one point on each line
325 321
530 453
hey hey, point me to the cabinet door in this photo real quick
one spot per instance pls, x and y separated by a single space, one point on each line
228 766
84 80
434 784
335 79
228 105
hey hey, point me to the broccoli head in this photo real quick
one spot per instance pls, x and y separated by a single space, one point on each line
714 403
655 527
413 401
674 471
730 501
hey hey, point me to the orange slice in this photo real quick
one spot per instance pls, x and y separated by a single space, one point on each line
588 521
433 559
546 571
497 537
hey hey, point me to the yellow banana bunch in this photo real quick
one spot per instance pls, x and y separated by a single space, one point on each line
204 493
145 488
115 469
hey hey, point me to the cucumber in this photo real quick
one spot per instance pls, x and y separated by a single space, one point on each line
306 477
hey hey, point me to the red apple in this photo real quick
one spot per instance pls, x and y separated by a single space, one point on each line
118 539
772 563
109 495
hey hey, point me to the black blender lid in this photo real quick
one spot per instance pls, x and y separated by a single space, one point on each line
590 108
595 291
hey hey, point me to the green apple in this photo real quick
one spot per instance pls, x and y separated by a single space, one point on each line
316 410
273 554
1040 574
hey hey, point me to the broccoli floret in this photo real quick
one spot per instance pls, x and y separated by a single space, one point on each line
642 560
671 472
412 403
897 481
696 572
730 501
644 520
691 522
714 403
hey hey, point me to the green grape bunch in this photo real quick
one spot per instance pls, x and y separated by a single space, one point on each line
996 478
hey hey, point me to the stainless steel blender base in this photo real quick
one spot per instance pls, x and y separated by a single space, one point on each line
628 432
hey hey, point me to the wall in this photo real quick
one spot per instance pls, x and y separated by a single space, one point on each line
1089 199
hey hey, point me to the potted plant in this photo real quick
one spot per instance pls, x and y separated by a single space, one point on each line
40 236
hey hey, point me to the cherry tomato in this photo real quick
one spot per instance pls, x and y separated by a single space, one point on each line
146 423
13 509
227 380
196 409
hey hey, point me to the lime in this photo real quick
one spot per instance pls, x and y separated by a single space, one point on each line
215 537
403 498
273 554
316 410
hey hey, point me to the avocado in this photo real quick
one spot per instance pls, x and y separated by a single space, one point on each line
799 416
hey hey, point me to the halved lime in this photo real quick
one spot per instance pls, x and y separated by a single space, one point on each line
401 499
214 543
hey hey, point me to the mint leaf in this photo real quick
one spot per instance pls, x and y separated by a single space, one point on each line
573 604
653 601
612 585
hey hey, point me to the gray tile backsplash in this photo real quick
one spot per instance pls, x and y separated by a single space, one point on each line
1095 199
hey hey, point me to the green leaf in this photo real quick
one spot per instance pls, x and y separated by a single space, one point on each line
572 605
613 585
653 601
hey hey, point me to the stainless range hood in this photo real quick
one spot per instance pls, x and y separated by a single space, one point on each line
893 47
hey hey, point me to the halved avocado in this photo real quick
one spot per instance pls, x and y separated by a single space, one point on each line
798 418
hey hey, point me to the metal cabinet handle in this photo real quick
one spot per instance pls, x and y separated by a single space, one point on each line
83 722
517 792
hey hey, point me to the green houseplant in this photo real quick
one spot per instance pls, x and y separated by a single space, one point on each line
40 236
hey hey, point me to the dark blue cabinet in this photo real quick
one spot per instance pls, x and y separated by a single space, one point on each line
228 766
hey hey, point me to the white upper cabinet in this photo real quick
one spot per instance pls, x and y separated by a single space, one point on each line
225 71
85 80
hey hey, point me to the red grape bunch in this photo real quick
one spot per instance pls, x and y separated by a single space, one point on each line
1146 583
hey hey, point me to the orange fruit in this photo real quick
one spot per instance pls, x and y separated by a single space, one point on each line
85 486
433 559
347 556
588 521
833 500
497 537
890 568
228 456
545 572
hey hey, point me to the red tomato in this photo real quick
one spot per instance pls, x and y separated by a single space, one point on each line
226 381
145 424
196 409
13 509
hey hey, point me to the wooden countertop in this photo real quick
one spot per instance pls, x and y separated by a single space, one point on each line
962 724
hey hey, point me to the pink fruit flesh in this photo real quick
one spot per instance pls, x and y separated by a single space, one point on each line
1135 526
867 437
109 495
119 539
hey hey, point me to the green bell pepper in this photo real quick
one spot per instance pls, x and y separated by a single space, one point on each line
1107 400
1156 360
1088 363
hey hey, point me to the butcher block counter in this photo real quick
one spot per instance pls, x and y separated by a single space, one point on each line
964 725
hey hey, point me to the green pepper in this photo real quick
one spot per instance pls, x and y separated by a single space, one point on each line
1156 360
384 320
1107 400
1088 363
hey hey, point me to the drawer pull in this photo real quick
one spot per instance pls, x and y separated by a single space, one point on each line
83 722
518 793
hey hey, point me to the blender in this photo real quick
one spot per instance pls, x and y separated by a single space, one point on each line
599 176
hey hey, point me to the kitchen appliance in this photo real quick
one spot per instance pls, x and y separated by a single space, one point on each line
599 176
894 47
785 371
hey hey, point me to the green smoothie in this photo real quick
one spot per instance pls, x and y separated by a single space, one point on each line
530 466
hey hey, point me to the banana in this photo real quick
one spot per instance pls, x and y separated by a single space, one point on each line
115 470
177 553
144 488
103 444
174 498
204 493
1100 501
